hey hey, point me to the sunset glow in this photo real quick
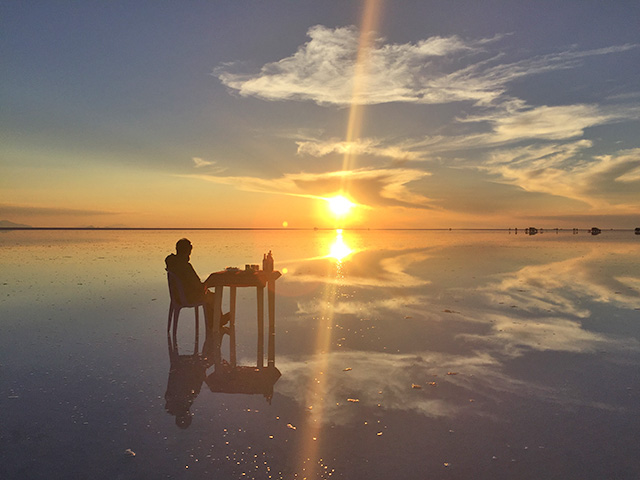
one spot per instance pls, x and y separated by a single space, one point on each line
418 120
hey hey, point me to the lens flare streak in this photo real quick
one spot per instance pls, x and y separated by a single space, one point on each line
311 443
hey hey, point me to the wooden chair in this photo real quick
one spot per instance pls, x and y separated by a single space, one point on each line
178 302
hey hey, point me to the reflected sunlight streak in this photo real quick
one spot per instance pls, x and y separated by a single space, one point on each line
317 391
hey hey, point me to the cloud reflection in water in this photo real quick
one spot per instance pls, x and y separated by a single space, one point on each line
532 306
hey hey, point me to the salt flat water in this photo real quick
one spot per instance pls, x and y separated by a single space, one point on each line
403 354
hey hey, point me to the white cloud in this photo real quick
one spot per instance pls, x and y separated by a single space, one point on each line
365 146
545 122
323 70
607 181
515 121
430 71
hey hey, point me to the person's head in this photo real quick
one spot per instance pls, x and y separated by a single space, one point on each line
183 247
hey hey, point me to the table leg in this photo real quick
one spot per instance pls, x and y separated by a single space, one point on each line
260 300
217 309
232 327
196 348
271 301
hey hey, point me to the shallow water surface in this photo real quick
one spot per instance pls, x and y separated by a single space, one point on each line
403 354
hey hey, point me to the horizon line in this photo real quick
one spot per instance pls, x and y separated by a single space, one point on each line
312 228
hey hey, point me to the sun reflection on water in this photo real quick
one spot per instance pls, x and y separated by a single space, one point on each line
317 390
339 250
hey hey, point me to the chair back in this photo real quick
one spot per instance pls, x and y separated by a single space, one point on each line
176 290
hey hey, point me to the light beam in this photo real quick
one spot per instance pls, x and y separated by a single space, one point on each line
317 388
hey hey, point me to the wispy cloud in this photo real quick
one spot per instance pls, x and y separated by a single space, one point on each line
199 162
513 121
606 181
210 166
431 71
365 146
372 187
544 122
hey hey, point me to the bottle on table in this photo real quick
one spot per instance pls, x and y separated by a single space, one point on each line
267 262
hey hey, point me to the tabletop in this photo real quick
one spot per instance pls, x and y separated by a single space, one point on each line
241 278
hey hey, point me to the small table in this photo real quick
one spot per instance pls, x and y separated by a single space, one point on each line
246 278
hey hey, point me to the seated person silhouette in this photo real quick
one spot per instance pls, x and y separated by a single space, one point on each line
194 289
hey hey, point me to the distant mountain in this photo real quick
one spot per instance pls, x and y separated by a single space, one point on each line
8 224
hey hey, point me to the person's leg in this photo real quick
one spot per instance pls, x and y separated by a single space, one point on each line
208 312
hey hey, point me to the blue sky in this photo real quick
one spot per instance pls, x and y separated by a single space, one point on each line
230 114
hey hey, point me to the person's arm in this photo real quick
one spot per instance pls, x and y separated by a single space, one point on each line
193 281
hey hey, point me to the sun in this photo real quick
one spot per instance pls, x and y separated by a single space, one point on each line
340 205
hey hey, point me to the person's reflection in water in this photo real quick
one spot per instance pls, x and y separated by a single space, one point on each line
186 375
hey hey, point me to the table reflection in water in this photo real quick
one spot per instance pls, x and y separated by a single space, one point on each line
187 373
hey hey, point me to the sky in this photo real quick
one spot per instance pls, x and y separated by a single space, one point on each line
422 114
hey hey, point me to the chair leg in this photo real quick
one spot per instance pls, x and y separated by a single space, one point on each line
197 330
176 314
